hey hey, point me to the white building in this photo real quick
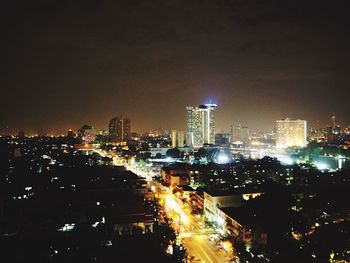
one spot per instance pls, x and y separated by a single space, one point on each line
200 125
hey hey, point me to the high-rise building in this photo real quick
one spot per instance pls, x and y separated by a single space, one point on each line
173 138
200 125
119 129
177 138
193 136
291 133
208 124
333 131
180 139
240 134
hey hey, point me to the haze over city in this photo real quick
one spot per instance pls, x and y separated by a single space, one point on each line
66 64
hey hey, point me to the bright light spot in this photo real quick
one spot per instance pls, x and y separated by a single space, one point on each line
169 250
172 204
223 158
169 159
321 166
227 246
220 220
221 231
67 227
285 160
184 218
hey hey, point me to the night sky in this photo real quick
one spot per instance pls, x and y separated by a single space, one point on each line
67 63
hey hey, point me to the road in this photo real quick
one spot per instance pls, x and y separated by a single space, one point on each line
201 248
192 235
190 228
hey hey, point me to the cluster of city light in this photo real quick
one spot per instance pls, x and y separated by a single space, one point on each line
171 203
223 158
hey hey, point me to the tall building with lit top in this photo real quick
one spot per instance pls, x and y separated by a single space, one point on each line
200 125
119 129
291 133
208 124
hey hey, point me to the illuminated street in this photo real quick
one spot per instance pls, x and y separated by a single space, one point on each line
200 248
192 234
189 228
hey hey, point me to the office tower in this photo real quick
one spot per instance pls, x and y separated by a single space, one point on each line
193 136
180 138
240 134
87 134
119 129
173 138
177 138
200 125
290 133
208 124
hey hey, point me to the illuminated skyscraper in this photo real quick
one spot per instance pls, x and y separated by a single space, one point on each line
208 124
200 125
173 136
180 139
193 136
290 133
119 129
177 138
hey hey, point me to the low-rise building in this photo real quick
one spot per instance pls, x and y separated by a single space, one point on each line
243 226
215 200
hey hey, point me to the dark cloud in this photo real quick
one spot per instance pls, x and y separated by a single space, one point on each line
66 63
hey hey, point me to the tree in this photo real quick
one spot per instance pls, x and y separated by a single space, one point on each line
144 146
174 153
202 152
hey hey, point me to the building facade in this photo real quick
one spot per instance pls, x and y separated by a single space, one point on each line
194 135
119 129
200 125
240 134
177 138
291 133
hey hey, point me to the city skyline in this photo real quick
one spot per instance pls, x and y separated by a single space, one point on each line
270 126
175 131
70 64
